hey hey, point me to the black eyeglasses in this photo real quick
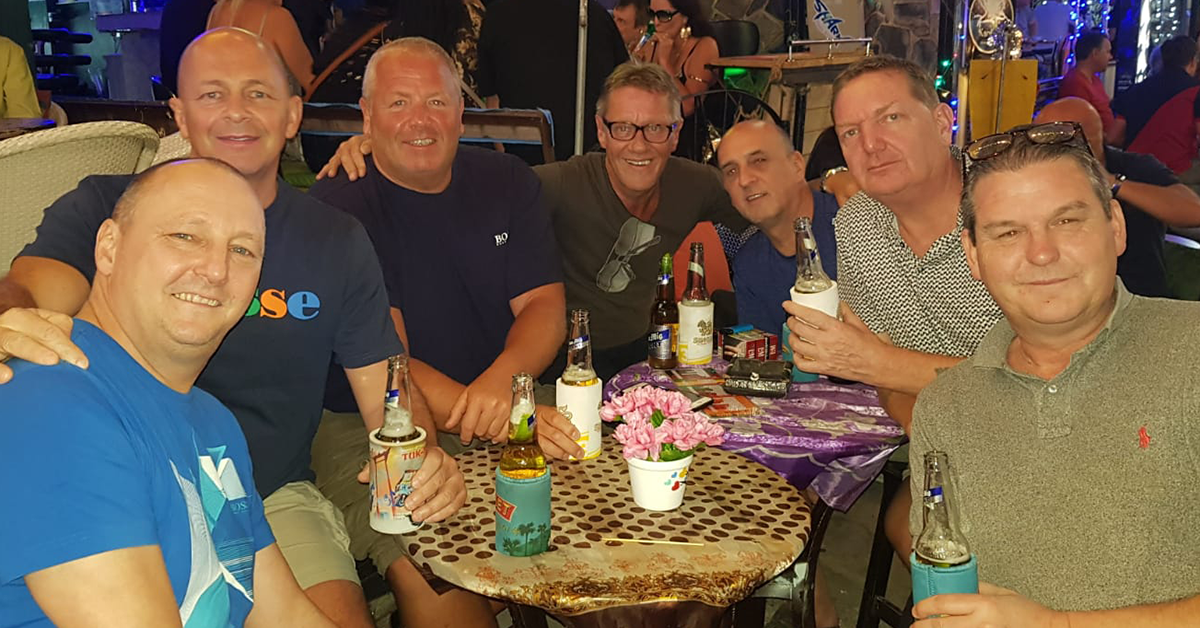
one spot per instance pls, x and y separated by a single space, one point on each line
662 16
988 147
654 133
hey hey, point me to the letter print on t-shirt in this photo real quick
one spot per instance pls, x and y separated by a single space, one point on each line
222 570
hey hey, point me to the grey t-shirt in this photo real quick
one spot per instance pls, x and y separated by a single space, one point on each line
1081 492
589 220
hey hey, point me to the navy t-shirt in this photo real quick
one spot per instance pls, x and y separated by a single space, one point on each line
321 297
762 276
1141 266
453 260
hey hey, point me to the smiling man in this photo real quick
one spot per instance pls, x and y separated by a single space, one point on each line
234 105
764 176
149 517
1072 429
616 212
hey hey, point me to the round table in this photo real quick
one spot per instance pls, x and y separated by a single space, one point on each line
832 437
12 127
744 524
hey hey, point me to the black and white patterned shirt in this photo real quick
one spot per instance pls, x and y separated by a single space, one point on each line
929 304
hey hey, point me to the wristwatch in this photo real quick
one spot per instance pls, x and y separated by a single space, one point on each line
830 173
1117 186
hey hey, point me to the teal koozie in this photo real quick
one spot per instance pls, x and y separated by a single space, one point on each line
522 515
929 581
786 353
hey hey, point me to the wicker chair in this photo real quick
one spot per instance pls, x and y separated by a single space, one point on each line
37 168
173 146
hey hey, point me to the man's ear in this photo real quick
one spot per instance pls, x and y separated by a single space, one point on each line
1118 225
295 114
177 112
601 132
107 239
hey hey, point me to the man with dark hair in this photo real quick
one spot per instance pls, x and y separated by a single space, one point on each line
1082 400
1093 51
631 18
1151 197
1162 112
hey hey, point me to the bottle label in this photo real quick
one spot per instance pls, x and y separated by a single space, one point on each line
696 268
934 495
661 342
664 280
577 343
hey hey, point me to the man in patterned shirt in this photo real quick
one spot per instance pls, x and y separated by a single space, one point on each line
909 304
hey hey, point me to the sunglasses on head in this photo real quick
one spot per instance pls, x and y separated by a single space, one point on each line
662 16
988 147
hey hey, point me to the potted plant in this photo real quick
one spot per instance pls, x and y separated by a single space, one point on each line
660 434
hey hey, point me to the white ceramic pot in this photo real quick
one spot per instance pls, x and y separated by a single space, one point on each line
659 485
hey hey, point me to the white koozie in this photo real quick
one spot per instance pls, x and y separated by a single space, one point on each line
825 301
581 406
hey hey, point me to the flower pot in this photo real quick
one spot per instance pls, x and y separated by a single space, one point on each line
658 485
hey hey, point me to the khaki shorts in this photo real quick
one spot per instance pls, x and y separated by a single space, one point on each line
339 452
311 534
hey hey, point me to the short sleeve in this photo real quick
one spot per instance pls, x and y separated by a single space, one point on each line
1148 169
68 230
366 333
532 250
72 472
551 177
720 209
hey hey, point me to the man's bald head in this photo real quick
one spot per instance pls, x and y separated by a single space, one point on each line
146 186
760 132
1074 109
220 44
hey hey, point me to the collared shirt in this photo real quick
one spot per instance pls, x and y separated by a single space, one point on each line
1090 88
926 303
1082 491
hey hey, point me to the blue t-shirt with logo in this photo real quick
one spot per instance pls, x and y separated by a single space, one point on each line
110 458
762 277
453 260
321 298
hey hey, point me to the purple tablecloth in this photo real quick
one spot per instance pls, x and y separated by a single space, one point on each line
835 438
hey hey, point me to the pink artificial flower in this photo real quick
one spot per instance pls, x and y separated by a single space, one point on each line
691 430
617 406
640 439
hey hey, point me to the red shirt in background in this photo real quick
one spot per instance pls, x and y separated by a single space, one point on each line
1090 88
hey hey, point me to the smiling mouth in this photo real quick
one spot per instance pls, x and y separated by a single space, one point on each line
638 162
755 197
238 138
420 143
196 299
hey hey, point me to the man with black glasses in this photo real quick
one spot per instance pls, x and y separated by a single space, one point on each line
615 213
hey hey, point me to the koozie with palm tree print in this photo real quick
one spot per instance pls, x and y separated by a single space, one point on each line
522 514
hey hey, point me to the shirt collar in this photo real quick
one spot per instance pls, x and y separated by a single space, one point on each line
993 350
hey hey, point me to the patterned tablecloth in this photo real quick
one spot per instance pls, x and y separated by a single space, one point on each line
835 438
749 523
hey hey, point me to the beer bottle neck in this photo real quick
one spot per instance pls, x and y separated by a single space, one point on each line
696 290
666 287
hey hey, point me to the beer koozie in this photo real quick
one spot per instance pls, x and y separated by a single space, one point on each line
522 515
929 581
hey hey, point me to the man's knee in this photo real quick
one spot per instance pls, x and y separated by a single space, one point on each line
311 534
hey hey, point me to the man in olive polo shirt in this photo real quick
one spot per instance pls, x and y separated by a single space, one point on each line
1072 430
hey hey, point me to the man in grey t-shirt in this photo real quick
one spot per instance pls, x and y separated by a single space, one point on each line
1071 432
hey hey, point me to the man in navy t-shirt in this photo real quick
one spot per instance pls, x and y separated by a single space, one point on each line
146 513
764 176
321 297
472 275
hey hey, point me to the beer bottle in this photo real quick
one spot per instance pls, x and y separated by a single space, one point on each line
522 458
940 544
695 314
578 391
664 319
397 402
813 287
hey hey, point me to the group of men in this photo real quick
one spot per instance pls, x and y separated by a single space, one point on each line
469 260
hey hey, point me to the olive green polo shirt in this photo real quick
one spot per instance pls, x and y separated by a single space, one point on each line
1081 492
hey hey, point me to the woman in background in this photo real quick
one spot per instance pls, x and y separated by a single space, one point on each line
275 25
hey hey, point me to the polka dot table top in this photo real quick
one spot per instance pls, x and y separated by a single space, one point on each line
750 524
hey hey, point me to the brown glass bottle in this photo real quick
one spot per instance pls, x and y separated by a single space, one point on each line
664 319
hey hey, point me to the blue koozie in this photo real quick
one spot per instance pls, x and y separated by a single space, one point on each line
522 515
929 581
785 352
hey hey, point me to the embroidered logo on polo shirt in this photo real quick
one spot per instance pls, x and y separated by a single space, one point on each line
1143 438
501 238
